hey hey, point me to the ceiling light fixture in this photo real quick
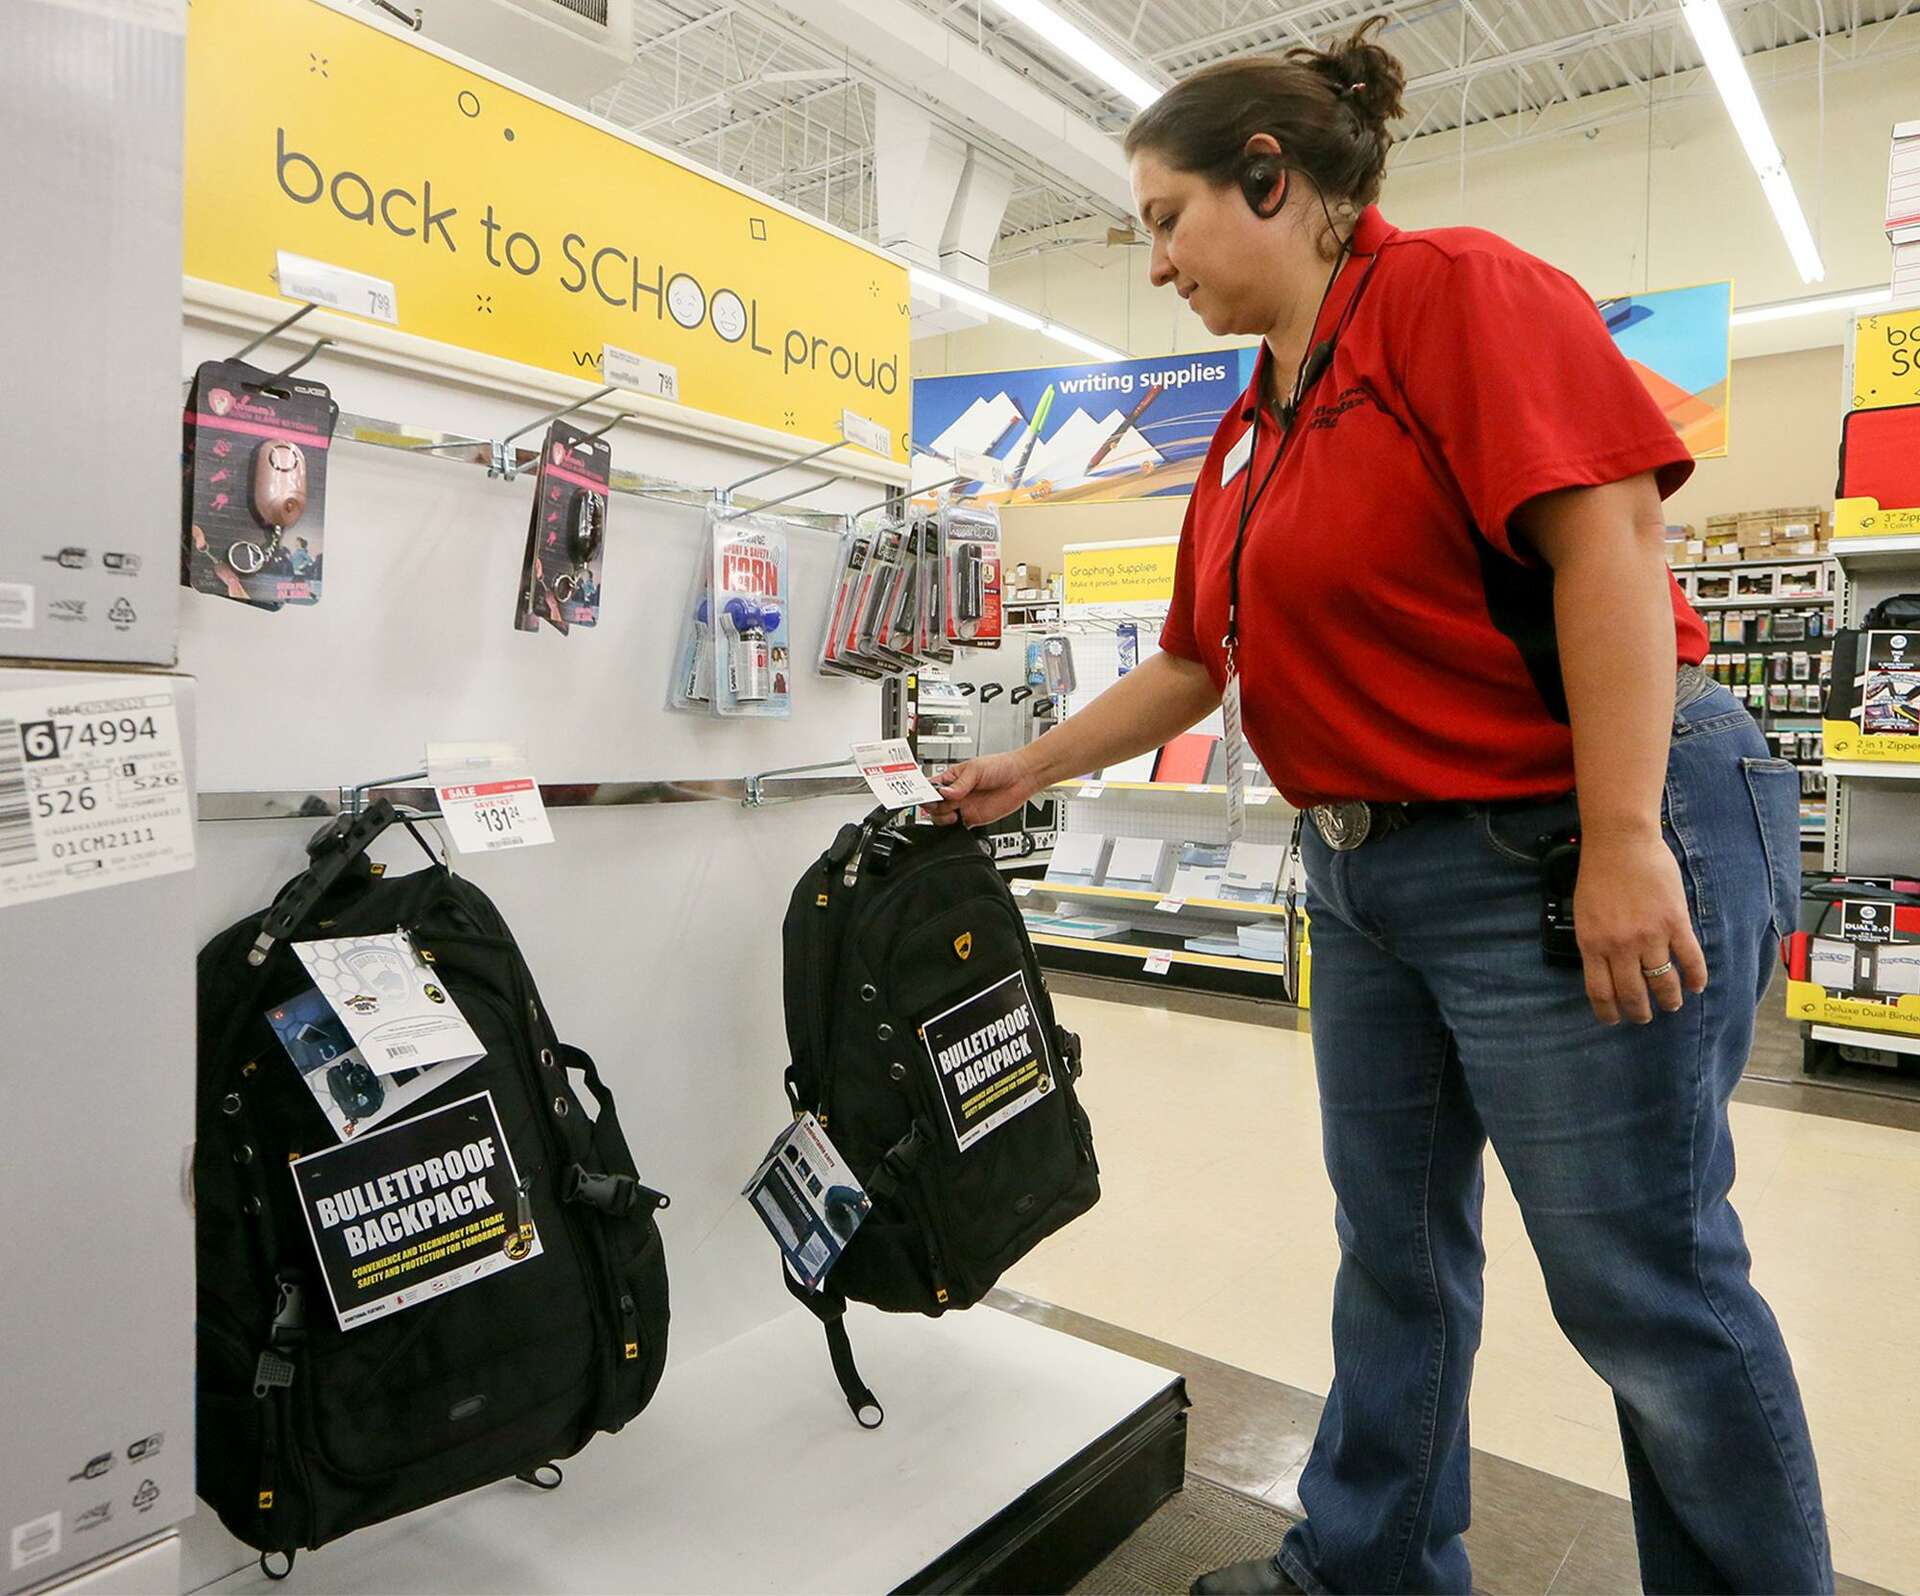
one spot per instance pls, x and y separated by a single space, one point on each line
932 282
1729 70
1082 49
1788 309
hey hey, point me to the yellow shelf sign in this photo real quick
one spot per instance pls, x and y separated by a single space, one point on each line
513 227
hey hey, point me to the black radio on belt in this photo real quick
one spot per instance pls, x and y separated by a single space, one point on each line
1559 875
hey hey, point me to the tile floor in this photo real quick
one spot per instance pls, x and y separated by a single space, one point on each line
1215 1234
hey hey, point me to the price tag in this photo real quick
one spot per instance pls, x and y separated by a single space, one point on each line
857 429
1260 795
893 774
980 467
337 288
1091 789
488 797
1159 962
93 787
1022 889
1171 905
1198 786
624 369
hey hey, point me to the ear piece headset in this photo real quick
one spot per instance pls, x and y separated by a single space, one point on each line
1256 182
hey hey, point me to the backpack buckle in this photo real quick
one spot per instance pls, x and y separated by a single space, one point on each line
1069 1046
614 1195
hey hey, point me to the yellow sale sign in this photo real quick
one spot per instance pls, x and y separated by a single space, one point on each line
512 227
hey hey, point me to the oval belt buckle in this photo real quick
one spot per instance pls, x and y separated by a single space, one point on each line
1343 827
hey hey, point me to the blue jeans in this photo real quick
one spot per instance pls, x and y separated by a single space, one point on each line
1436 1027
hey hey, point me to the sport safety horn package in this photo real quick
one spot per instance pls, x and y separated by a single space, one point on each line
255 485
736 648
566 533
425 1262
925 1050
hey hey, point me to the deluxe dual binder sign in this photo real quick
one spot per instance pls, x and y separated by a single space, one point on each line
1860 968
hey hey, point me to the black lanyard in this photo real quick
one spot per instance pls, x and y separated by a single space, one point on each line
1304 384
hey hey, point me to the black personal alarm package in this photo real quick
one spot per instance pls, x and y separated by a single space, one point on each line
254 485
560 572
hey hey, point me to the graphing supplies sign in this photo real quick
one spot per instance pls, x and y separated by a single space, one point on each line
93 787
990 1059
509 225
414 1211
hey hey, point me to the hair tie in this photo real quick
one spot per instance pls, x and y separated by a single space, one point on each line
1352 88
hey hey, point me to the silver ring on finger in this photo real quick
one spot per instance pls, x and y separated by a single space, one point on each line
1657 971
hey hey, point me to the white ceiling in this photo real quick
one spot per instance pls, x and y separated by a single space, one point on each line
765 93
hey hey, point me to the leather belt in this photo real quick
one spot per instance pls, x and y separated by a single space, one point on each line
1354 822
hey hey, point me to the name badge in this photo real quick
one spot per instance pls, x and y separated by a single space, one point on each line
1237 458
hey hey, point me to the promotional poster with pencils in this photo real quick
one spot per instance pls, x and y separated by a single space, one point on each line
1087 434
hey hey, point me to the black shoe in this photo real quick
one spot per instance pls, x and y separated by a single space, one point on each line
1262 1578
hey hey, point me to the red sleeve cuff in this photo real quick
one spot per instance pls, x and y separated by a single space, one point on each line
1664 456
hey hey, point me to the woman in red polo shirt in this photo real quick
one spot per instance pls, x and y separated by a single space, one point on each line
1425 561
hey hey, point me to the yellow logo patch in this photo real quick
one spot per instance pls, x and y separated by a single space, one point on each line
963 944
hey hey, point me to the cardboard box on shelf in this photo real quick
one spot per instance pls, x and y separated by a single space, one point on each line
1805 548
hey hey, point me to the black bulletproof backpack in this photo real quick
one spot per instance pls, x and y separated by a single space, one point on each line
924 1041
1901 613
307 1431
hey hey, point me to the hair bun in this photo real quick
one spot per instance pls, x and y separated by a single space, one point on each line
1365 75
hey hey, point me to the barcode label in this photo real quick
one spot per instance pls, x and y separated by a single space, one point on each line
401 1050
16 606
17 845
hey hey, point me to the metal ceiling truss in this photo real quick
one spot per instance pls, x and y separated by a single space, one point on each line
739 85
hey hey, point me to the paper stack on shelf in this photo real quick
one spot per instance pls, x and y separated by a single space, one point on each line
1139 864
1075 926
1903 211
1253 872
1267 940
1079 858
1220 946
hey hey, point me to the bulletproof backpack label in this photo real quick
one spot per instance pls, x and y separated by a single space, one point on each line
414 1211
990 1058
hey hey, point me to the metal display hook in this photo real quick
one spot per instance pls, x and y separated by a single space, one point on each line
905 496
503 463
354 799
756 797
274 331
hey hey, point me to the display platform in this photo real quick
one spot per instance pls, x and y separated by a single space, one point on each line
1013 1457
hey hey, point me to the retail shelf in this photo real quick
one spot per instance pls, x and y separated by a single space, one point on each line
1205 908
1871 770
1886 1041
1805 601
1141 953
1748 565
1093 788
1877 551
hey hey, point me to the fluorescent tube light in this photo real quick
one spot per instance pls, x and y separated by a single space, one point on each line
1788 309
1722 55
1082 49
932 282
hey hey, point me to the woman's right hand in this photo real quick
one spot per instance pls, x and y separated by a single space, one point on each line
979 791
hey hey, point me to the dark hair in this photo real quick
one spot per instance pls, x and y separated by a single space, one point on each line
1328 110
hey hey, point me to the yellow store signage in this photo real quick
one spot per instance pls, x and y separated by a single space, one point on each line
1119 573
1886 360
512 227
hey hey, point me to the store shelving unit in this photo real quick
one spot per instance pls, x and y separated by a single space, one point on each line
1794 733
1873 807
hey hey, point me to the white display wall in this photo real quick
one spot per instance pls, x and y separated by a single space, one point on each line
653 931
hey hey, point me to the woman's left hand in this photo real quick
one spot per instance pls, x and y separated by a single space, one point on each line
1630 915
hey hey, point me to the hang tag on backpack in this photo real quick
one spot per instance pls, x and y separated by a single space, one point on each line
393 1006
806 1195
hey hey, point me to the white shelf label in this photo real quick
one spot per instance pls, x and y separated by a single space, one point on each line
93 787
622 368
488 797
857 429
980 467
1022 888
1198 786
1260 795
1091 789
1159 962
893 774
338 288
1171 905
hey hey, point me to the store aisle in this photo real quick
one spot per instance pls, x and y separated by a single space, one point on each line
1215 1234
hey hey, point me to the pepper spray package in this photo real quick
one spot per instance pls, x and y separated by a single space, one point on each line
566 533
856 548
752 642
884 572
691 687
255 485
970 553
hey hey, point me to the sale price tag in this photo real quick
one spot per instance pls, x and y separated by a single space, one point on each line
894 775
488 797
1158 963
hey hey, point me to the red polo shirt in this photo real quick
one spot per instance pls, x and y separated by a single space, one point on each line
1396 636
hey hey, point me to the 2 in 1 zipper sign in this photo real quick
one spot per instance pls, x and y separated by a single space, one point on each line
93 787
